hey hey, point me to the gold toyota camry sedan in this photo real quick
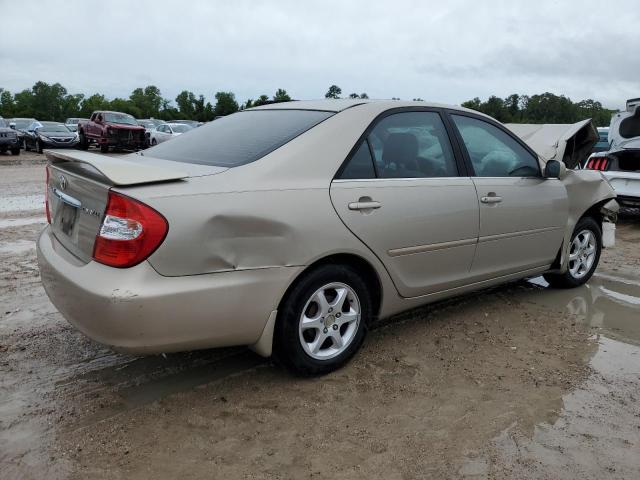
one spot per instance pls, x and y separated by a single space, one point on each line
292 227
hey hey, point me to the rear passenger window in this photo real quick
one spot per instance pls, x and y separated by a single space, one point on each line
360 166
412 145
493 152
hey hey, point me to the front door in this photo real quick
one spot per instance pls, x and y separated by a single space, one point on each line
400 193
522 214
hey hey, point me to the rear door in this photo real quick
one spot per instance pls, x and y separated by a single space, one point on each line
522 214
402 193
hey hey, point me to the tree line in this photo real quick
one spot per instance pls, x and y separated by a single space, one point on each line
543 108
53 102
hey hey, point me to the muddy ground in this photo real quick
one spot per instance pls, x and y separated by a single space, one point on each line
520 381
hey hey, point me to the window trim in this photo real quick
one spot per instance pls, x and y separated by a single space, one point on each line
448 112
457 154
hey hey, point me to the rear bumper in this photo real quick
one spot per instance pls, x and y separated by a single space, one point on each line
625 184
138 310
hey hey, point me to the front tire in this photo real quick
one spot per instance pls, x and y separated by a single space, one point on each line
154 142
38 146
584 255
27 148
104 148
323 320
83 144
15 151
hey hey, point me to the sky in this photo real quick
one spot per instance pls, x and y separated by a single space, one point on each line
440 51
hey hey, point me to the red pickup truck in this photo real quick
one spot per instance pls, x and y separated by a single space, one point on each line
111 129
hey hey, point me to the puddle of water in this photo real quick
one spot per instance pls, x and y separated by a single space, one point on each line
20 246
20 222
21 203
609 302
596 432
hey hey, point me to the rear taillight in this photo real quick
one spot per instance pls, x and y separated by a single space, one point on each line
598 163
130 232
46 195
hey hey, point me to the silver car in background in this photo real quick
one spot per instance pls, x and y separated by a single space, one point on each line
72 123
167 131
293 227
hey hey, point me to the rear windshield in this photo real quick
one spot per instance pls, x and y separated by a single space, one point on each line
238 139
630 127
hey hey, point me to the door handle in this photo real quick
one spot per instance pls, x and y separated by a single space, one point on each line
491 198
365 205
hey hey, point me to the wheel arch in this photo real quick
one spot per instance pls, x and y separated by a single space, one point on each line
264 345
360 264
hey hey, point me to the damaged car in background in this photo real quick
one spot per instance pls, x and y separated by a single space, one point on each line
111 130
292 227
620 164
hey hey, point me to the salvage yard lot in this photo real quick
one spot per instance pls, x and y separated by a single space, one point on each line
515 382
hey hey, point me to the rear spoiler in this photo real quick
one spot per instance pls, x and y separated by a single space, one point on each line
117 170
570 143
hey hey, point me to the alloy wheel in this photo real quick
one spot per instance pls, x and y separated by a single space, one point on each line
582 253
329 321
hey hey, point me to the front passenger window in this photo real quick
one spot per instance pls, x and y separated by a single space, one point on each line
493 152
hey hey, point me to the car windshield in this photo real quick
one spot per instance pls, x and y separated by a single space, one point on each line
240 138
121 118
180 128
53 127
23 123
146 124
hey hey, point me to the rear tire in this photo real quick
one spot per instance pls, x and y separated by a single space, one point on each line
584 255
323 320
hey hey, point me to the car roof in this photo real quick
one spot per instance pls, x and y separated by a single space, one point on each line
338 105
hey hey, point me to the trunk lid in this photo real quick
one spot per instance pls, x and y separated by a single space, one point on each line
624 130
78 185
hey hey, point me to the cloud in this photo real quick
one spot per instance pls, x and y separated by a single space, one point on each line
439 51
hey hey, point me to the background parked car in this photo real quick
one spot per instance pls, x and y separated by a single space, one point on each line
42 135
8 138
20 125
168 131
72 123
111 129
620 164
603 140
149 125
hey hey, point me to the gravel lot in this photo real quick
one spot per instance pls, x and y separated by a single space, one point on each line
519 381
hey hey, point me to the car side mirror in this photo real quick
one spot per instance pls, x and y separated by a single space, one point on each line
99 119
12 125
554 169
